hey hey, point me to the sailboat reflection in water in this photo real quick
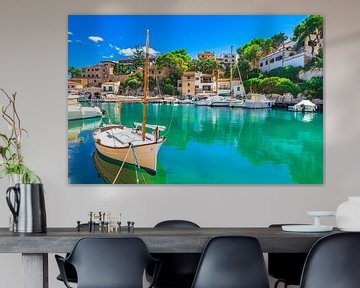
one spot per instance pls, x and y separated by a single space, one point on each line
132 145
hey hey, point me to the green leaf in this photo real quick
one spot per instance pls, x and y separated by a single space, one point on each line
4 173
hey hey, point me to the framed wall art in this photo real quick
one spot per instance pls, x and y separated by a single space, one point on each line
195 99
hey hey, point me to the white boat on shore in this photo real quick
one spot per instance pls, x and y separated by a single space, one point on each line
77 111
132 145
303 106
257 101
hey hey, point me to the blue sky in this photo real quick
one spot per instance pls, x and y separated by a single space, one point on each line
93 38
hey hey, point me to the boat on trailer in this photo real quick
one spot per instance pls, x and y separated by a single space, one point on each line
132 145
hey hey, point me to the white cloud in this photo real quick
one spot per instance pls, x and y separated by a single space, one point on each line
69 41
95 39
70 33
111 46
130 51
111 56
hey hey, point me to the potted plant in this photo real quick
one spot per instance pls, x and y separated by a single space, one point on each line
12 161
27 201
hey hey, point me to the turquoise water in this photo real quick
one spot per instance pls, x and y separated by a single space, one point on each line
207 145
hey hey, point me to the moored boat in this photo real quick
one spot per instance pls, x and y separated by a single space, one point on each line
303 106
234 103
218 101
132 145
257 101
77 111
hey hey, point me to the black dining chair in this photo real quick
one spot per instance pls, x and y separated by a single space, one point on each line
333 262
70 271
178 269
232 262
108 263
285 267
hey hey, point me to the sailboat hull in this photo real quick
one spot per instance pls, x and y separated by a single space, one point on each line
146 154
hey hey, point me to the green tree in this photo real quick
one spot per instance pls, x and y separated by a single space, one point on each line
252 54
252 85
316 62
285 85
74 71
313 88
311 28
208 65
120 69
289 72
177 62
268 85
278 39
139 57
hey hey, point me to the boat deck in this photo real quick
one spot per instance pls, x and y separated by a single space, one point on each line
117 137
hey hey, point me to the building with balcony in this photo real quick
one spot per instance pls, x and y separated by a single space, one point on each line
98 73
206 55
193 83
230 88
227 58
287 55
110 87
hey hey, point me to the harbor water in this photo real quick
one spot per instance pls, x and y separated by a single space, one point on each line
206 145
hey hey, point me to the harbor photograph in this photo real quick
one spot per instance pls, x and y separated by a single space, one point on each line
195 99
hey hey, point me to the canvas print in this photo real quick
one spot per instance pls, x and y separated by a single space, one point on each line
195 99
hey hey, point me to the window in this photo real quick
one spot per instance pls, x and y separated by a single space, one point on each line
196 86
261 64
110 88
272 60
159 72
238 88
188 90
180 85
266 62
188 77
188 84
278 58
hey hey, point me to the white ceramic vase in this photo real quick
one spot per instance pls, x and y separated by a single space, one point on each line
348 215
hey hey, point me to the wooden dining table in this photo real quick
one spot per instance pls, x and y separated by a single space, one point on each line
35 247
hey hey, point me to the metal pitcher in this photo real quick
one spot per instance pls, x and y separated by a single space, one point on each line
28 208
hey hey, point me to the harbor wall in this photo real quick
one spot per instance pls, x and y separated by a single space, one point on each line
33 62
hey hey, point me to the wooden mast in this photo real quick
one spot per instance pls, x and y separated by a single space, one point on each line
146 79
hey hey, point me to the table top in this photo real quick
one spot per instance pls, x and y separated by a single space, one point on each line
158 240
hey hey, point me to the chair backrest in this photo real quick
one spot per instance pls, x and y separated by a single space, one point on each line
177 267
110 262
232 262
333 262
286 267
176 224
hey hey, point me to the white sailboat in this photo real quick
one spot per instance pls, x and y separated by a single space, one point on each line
132 145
